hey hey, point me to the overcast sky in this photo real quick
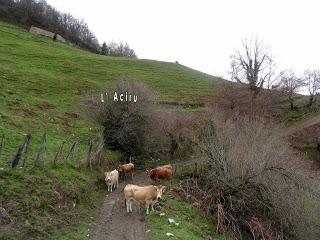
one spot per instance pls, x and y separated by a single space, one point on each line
203 34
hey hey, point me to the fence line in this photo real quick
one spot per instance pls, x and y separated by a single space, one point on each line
21 157
71 152
59 153
41 149
21 151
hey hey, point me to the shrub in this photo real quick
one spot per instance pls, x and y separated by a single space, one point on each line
254 181
174 134
238 99
124 122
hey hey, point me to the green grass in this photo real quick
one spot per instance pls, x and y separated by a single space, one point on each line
46 202
192 224
42 83
310 151
301 113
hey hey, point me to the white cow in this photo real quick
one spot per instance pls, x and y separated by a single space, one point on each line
112 179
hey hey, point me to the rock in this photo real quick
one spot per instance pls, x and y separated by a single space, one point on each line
169 234
162 214
171 221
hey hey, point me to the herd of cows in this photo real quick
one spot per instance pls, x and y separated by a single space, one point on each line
149 194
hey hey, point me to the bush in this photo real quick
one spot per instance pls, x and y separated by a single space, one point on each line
173 134
124 122
254 181
238 99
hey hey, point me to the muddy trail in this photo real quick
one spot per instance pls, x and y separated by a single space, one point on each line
114 223
310 122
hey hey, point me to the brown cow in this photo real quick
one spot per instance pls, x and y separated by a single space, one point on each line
166 166
163 172
126 168
148 194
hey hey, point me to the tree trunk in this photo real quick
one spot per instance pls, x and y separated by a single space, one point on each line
310 100
291 103
174 145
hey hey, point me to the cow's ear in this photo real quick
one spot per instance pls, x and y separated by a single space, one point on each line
163 188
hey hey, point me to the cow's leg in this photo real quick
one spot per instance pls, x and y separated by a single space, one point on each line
131 203
117 183
147 205
127 205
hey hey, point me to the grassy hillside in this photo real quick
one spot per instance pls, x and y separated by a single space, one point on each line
42 82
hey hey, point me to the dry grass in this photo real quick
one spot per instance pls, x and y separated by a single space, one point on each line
254 182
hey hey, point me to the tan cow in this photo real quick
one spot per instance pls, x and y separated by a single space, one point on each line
112 179
148 195
126 168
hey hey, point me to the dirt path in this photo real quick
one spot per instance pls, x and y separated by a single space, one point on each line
310 122
114 223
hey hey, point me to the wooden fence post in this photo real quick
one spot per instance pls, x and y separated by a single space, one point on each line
71 152
59 153
25 153
22 149
41 149
1 143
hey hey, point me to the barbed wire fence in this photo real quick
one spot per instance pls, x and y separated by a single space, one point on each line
64 153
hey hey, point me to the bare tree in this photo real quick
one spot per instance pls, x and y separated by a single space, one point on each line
253 65
290 84
104 49
312 80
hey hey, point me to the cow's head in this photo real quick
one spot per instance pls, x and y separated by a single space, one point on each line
108 176
120 169
160 190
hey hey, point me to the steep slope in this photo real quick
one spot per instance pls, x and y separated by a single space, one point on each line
42 82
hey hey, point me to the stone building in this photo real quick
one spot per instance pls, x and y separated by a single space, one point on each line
42 32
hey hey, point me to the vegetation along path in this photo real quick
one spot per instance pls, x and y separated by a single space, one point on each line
310 122
114 223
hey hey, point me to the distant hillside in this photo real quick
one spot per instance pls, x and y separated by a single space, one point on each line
42 82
